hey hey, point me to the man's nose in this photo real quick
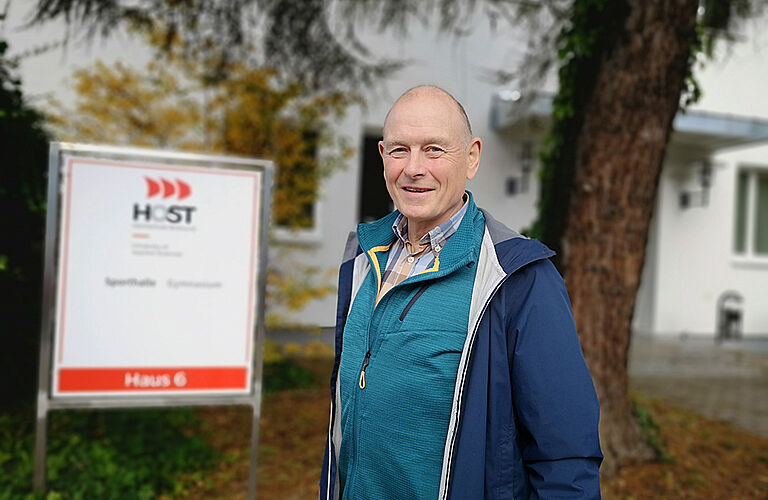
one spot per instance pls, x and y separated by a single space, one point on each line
415 166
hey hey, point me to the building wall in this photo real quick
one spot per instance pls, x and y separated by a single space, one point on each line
462 66
645 303
733 82
689 262
696 261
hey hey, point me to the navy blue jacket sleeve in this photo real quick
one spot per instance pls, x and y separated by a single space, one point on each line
555 401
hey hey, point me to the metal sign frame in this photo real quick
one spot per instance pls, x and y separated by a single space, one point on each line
45 400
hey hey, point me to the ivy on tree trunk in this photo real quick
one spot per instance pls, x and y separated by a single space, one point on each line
625 65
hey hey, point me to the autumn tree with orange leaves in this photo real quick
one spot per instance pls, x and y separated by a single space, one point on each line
247 113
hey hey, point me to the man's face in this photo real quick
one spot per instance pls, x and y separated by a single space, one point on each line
428 158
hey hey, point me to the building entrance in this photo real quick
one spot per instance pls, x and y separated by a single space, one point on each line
375 202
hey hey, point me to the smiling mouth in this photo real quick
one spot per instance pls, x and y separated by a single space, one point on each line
417 189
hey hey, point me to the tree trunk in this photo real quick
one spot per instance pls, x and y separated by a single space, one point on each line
618 158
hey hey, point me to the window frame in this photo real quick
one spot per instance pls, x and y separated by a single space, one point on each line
308 235
749 257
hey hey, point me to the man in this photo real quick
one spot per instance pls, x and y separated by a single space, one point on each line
458 371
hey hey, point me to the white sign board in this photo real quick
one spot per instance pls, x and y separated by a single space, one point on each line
157 277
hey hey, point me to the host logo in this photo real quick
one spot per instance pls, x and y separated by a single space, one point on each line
160 213
174 214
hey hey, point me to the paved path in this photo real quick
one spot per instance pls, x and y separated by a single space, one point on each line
728 382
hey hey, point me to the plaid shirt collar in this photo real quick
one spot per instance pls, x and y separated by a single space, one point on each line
435 238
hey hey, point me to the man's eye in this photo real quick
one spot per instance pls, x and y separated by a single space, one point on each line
434 150
397 152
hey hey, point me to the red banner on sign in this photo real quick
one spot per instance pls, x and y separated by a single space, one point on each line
151 379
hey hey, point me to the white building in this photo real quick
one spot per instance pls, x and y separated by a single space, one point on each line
695 253
703 241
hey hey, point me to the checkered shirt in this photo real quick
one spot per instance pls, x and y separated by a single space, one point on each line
406 259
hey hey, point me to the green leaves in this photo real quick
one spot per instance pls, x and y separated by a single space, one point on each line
286 375
22 199
105 454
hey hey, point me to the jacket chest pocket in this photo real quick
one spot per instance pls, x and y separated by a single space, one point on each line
438 305
413 300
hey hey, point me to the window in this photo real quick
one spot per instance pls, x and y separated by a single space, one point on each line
751 225
374 198
296 184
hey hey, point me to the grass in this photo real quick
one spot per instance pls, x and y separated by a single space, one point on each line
204 453
701 458
649 428
133 454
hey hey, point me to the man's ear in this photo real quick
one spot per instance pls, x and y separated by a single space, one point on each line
381 153
475 149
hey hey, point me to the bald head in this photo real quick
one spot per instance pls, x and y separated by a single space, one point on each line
439 96
428 154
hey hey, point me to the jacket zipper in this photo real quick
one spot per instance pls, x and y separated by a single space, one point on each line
361 382
466 367
464 378
357 403
367 358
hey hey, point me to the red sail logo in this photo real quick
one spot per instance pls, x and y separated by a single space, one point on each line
180 188
164 212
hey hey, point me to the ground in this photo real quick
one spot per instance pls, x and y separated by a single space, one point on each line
722 381
702 457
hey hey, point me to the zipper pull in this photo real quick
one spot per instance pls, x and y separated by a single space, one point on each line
361 383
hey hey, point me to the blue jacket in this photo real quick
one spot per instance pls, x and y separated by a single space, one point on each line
524 416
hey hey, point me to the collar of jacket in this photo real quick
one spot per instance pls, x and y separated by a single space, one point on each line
461 248
512 250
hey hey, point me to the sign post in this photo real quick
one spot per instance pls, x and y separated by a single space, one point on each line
154 283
